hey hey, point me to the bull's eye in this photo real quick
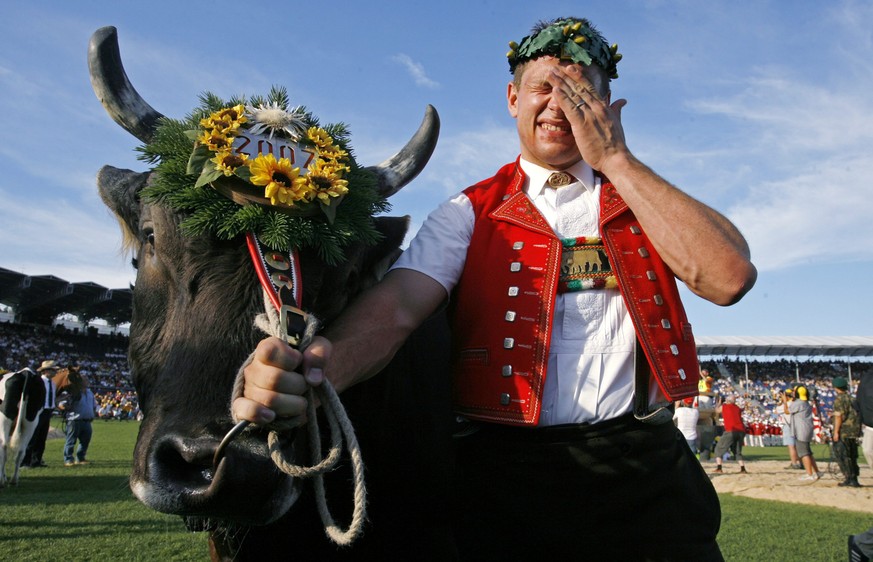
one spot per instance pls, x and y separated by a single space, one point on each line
148 244
148 235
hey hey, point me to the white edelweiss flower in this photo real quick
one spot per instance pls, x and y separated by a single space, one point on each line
272 118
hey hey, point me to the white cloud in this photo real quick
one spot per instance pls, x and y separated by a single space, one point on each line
470 156
789 114
818 217
416 70
806 144
53 237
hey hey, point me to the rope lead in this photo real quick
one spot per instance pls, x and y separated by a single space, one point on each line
340 430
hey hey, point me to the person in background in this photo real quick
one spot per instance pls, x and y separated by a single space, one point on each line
79 407
800 413
787 433
686 417
708 402
733 436
865 407
754 431
35 449
846 430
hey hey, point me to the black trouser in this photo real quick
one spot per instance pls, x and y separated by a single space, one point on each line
619 490
706 434
846 453
36 447
730 441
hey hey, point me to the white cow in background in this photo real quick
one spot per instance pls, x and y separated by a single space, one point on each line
22 396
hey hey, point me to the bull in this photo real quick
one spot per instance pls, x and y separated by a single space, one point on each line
195 299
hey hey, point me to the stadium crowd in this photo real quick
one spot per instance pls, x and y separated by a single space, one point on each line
102 359
760 393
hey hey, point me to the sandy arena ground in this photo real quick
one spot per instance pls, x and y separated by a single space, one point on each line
770 480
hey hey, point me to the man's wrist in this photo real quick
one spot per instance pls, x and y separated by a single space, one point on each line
617 164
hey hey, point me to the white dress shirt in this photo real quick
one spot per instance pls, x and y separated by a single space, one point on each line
590 369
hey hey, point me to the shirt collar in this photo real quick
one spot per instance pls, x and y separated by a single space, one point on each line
537 176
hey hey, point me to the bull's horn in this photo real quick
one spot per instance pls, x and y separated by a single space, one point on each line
114 90
402 168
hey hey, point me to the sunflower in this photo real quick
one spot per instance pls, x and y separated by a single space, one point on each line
326 179
333 153
215 141
226 120
227 162
324 143
319 137
282 182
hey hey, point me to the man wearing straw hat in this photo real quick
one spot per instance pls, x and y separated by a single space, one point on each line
33 457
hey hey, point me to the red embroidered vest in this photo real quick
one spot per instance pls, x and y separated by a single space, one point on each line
504 302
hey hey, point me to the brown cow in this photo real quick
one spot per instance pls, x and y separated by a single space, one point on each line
194 303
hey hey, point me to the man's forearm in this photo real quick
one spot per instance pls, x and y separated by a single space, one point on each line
700 245
368 334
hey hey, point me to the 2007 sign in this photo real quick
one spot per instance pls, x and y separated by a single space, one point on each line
254 145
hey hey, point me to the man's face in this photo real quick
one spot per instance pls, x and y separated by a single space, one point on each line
543 130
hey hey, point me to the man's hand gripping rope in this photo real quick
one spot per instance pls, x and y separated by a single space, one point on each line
340 428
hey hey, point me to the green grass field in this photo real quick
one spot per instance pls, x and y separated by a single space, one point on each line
88 513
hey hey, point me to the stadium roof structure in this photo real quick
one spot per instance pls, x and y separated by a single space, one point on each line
39 299
785 346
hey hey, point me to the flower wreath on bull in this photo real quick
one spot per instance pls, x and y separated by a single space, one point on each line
265 168
270 172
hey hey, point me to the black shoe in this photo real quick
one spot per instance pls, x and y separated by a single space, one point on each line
718 470
855 554
850 482
743 470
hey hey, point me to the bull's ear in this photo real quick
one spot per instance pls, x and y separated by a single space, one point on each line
393 229
119 190
378 258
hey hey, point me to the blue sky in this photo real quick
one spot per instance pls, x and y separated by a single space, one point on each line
760 109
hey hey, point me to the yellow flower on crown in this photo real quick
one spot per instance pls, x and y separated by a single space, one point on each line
227 161
282 182
214 140
332 152
226 120
319 137
322 140
326 179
